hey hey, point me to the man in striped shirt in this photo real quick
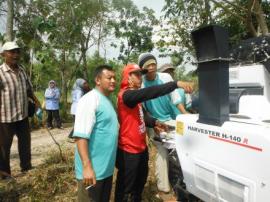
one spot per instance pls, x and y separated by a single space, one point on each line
15 88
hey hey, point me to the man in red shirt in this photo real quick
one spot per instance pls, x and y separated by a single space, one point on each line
132 154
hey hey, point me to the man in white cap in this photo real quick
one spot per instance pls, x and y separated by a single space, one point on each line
161 109
15 88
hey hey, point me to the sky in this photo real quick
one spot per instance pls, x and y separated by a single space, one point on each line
156 5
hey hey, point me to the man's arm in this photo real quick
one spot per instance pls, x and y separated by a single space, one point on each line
85 120
31 94
175 97
154 123
89 177
148 119
132 97
182 109
57 93
48 94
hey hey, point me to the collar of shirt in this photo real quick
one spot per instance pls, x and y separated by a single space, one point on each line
6 68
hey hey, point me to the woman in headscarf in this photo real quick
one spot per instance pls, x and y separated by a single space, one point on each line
52 99
80 88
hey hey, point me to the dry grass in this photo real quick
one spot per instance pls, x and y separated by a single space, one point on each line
51 181
54 181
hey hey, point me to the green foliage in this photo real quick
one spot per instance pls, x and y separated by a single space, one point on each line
133 29
93 62
118 67
56 35
184 16
238 28
96 60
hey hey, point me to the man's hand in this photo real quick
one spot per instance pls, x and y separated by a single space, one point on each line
187 86
160 127
37 103
89 177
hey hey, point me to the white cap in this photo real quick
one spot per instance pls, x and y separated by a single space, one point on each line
10 45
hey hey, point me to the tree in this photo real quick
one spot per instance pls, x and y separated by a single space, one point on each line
133 29
10 17
243 19
58 34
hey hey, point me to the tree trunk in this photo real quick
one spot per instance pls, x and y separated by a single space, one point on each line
249 22
99 39
63 85
260 18
85 71
10 17
208 13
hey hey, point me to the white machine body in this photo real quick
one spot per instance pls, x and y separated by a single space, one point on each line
252 76
230 162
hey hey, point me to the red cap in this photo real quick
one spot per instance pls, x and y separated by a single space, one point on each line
129 68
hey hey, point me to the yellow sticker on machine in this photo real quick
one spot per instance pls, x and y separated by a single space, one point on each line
179 128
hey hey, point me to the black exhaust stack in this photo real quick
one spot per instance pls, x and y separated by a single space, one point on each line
212 50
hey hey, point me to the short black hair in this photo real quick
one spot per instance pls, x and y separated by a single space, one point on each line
100 68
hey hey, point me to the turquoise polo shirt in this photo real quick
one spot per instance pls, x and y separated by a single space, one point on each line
161 107
96 121
175 111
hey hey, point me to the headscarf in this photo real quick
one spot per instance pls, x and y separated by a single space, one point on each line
129 68
52 81
78 85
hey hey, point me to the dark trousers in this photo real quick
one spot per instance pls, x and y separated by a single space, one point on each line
131 176
101 192
70 135
22 131
53 114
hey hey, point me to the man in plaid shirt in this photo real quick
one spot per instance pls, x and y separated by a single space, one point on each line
15 89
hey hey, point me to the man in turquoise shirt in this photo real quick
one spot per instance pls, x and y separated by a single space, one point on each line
96 133
161 109
182 106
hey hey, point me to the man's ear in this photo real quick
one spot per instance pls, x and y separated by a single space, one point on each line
97 80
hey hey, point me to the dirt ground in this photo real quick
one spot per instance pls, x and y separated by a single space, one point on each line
42 143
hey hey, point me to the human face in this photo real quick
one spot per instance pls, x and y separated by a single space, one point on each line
86 87
135 80
12 57
106 82
52 84
152 70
